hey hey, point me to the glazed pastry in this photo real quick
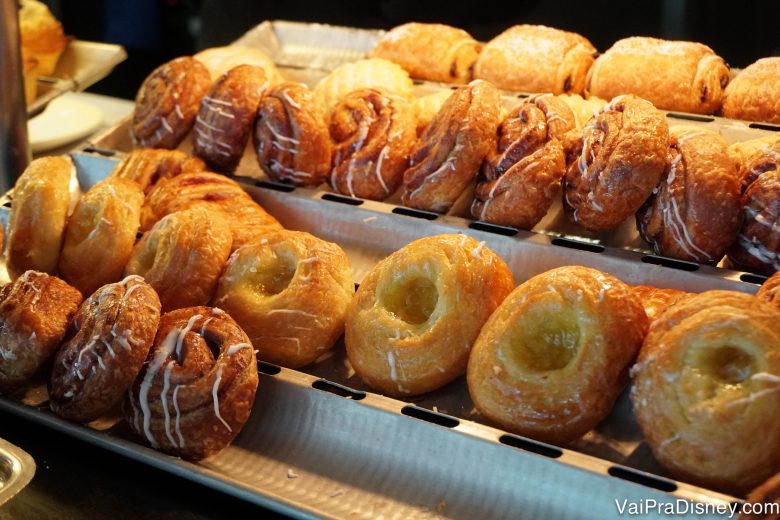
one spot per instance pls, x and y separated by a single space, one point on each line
182 256
447 156
535 58
712 360
583 109
742 152
694 213
197 390
100 234
427 107
42 35
770 290
430 51
415 316
755 93
167 103
672 75
35 311
226 115
767 496
106 345
620 161
655 300
522 174
552 360
41 204
757 248
147 166
289 292
219 60
372 134
291 136
764 159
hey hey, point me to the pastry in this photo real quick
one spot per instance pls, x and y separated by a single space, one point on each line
219 60
197 390
35 311
706 390
426 108
415 316
535 58
226 115
289 292
620 161
656 300
100 234
106 345
694 213
148 166
552 360
167 103
672 75
764 501
755 93
182 256
447 155
30 74
291 136
770 290
764 158
372 134
583 109
42 35
757 248
430 51
523 172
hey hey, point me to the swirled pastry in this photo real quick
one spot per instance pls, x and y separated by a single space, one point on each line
672 75
372 134
35 311
535 58
415 316
227 112
656 300
106 345
707 381
551 361
167 103
741 152
289 292
757 248
620 161
755 93
291 136
764 158
522 174
147 166
219 60
430 51
426 108
182 256
770 290
196 392
447 156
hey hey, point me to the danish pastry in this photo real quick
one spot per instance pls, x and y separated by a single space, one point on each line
741 152
147 166
770 290
415 316
755 93
583 109
219 60
656 300
551 361
765 158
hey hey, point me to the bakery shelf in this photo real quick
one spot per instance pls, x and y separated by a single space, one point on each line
16 470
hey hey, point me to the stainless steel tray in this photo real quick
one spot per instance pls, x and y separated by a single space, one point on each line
16 470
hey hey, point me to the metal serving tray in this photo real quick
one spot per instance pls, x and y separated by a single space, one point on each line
16 470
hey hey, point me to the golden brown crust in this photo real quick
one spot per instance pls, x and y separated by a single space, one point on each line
755 93
148 166
535 58
35 311
620 161
656 300
770 290
765 494
106 345
289 291
41 35
167 103
426 108
447 155
219 60
372 134
196 392
415 316
766 157
583 109
551 361
706 382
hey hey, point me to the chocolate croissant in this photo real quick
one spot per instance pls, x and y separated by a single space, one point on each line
755 93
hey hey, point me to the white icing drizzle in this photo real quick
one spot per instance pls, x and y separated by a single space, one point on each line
760 251
235 348
766 377
295 311
281 138
391 364
215 397
183 332
477 250
164 401
378 169
166 348
289 100
449 163
8 355
177 423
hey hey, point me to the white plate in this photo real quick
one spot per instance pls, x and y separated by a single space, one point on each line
64 121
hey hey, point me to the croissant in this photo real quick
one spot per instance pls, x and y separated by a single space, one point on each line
656 300
147 166
753 94
770 290
219 60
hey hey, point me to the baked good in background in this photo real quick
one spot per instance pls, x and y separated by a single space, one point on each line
42 36
30 75
447 156
219 60
765 158
426 107
656 300
430 51
415 316
523 172
770 290
621 159
583 108
291 136
167 103
706 387
372 133
35 311
227 113
148 166
672 75
768 495
182 256
552 360
743 151
755 93
196 392
106 345
100 234
694 213
535 58
289 292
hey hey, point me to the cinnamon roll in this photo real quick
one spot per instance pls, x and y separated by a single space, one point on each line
106 345
765 157
755 93
197 390
656 300
770 290
219 60
147 166
372 133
